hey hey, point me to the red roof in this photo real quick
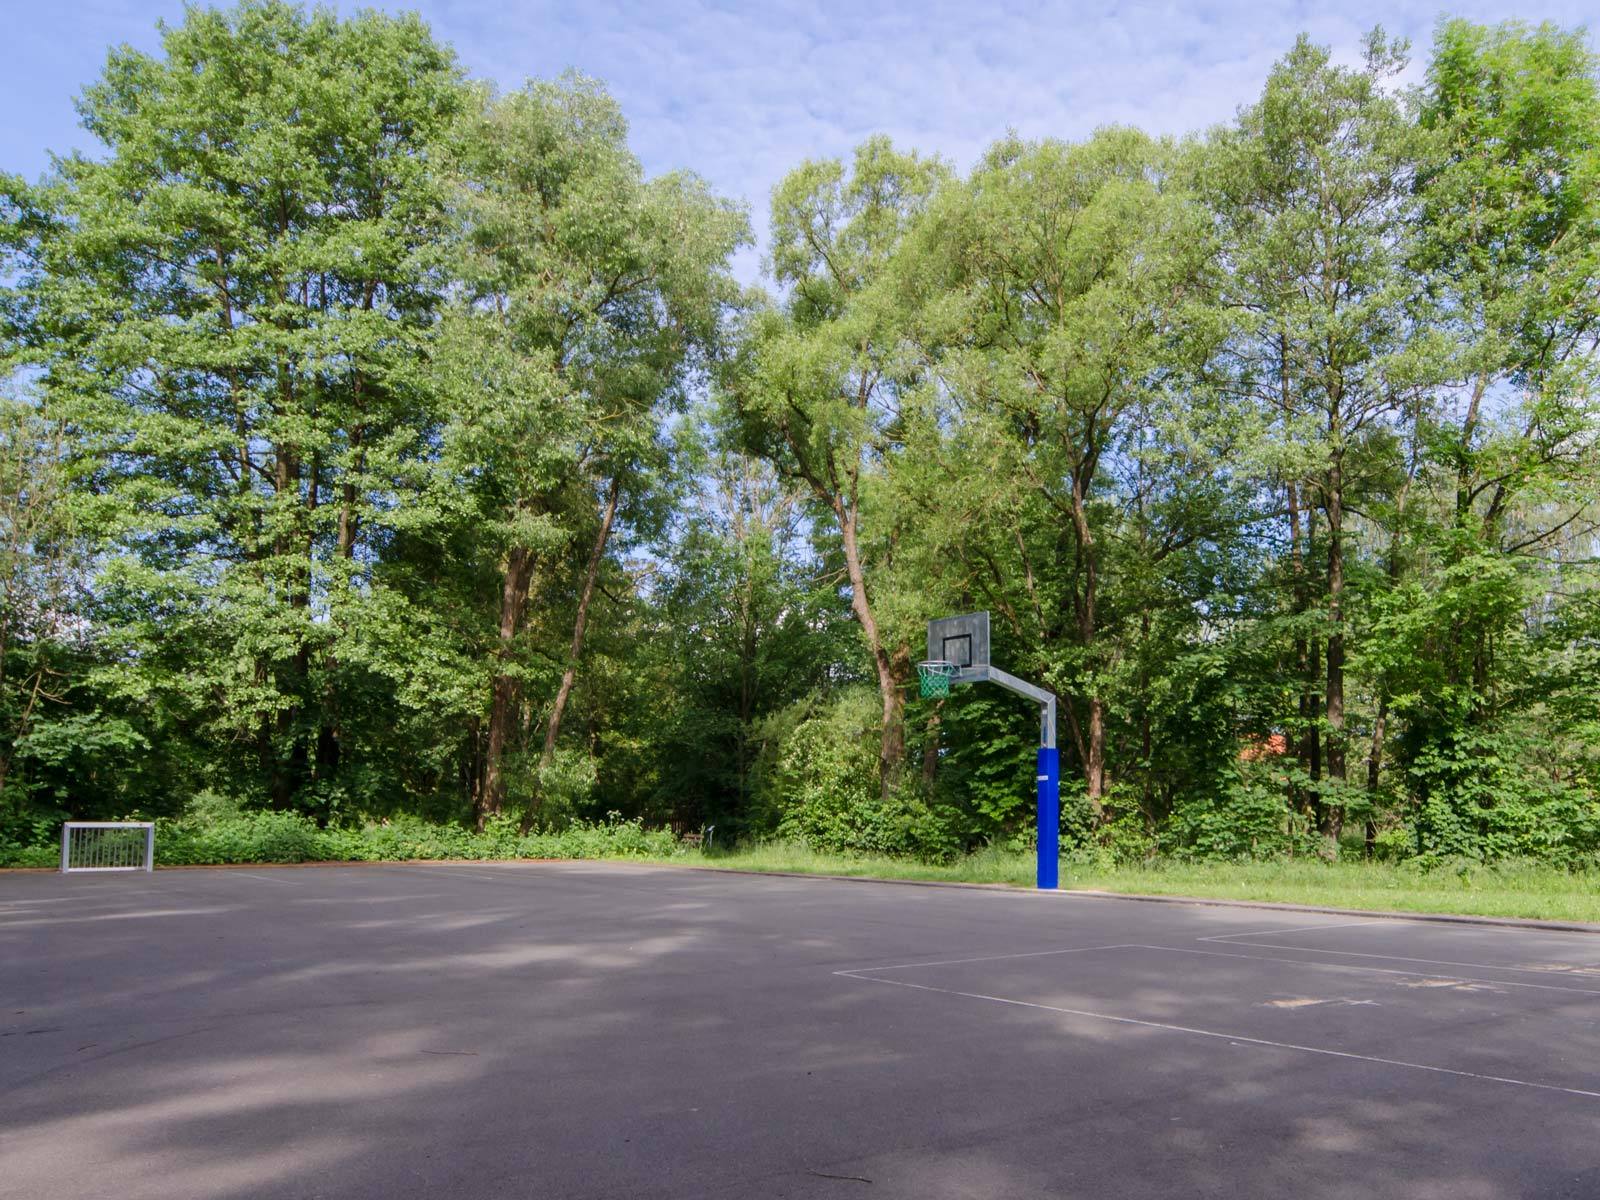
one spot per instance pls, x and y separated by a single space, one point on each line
1274 745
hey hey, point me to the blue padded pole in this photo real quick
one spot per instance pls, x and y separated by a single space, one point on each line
1049 772
1049 776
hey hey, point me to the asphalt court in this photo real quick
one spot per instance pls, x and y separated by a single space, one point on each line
596 1030
1137 993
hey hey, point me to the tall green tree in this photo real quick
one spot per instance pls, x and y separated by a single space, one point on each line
588 294
1079 271
42 572
232 305
1507 235
824 398
744 624
1316 193
1510 228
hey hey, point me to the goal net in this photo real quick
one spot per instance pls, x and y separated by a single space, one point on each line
108 846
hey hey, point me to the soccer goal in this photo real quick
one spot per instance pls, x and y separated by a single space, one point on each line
108 846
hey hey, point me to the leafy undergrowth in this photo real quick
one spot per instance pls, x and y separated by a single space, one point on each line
289 838
1512 889
1504 890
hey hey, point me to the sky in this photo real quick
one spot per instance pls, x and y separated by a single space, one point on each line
742 92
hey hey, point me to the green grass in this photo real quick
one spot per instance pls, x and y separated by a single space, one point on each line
1507 890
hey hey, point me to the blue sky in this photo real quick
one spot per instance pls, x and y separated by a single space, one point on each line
740 92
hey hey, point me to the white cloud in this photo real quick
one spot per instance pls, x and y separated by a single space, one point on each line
741 92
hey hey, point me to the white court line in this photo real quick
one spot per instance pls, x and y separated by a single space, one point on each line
950 962
54 900
32 919
1327 966
1228 937
1232 1038
448 869
15 908
268 878
1438 962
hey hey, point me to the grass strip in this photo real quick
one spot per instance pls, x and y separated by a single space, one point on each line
1514 889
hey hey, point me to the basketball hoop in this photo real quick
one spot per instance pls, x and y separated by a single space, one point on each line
958 652
936 676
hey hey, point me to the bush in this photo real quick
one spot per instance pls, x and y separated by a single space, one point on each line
1482 798
15 854
249 838
824 791
1249 820
219 836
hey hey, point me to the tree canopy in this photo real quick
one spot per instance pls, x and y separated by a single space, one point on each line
379 443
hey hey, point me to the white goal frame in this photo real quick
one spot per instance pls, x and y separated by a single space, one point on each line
95 852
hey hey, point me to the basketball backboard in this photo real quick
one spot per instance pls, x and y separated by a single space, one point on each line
963 640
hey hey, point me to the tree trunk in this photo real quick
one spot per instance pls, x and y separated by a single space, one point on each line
892 745
569 675
1094 772
1375 767
1306 653
470 767
748 646
349 519
1308 748
1375 754
517 575
1333 814
930 745
1094 761
1469 426
328 745
287 773
1314 722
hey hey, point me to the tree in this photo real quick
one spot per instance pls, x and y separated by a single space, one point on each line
230 308
1316 193
823 396
586 294
1506 235
1509 228
42 570
1079 271
743 624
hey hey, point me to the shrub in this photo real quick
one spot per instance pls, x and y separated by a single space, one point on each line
221 836
249 838
824 790
1248 820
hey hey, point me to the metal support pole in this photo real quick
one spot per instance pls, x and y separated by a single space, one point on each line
1049 772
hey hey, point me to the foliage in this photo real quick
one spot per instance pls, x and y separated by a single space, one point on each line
275 837
587 299
823 790
397 459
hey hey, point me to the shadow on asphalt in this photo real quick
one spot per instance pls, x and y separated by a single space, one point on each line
609 1031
